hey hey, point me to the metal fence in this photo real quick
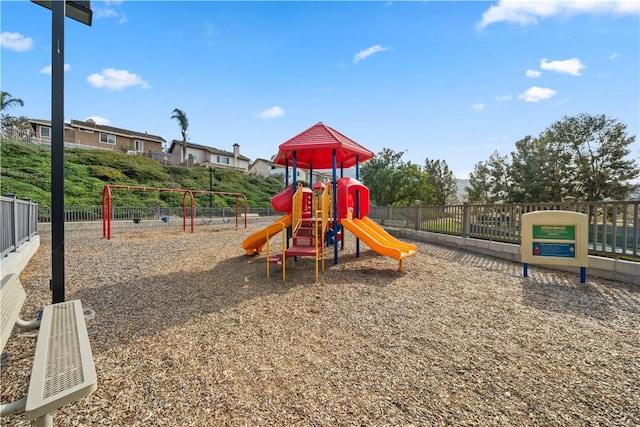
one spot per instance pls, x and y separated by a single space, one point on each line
94 213
19 221
613 226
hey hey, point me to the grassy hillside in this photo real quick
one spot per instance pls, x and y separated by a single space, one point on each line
25 170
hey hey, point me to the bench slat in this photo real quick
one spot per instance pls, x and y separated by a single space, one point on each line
63 369
12 296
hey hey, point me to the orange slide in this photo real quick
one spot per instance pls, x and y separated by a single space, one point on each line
378 239
254 243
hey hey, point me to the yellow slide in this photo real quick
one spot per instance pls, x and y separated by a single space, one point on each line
378 239
254 243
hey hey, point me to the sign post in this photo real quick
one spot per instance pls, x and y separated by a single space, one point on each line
555 238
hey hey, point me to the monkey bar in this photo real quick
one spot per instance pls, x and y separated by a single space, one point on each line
107 211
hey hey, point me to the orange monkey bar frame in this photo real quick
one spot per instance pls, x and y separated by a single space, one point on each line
107 210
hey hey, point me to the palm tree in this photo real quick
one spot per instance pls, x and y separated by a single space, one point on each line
181 117
6 101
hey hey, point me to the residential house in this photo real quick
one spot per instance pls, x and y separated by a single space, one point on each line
89 134
202 155
266 168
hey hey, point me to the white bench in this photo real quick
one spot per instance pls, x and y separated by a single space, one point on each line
395 223
63 369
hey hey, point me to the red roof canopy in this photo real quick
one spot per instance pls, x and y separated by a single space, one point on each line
314 149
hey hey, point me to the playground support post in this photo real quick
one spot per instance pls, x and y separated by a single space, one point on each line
335 206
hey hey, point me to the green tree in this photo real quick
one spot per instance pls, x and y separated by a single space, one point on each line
499 182
479 189
441 178
540 171
559 168
382 174
489 183
526 172
183 122
7 101
600 149
414 187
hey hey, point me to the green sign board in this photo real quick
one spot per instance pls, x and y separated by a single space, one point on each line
554 232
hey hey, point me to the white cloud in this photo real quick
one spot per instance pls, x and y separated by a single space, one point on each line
534 74
503 98
113 79
614 55
15 41
47 69
209 29
98 120
363 54
271 113
529 12
477 107
568 66
535 94
105 10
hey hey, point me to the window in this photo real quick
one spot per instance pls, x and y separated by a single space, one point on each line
138 146
107 138
45 132
85 130
193 156
224 160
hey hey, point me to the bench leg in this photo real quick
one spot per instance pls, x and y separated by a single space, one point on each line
44 421
13 407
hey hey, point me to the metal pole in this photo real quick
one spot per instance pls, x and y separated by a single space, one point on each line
57 151
210 189
335 207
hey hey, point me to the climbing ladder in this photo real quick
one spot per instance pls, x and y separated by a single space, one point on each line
308 233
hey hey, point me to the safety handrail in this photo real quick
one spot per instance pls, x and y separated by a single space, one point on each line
296 209
322 214
284 248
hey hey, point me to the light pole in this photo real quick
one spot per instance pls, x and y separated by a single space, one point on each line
81 12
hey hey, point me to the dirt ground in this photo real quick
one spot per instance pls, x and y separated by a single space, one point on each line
189 331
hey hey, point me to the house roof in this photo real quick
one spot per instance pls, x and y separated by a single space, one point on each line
116 131
314 149
43 122
211 150
79 124
260 160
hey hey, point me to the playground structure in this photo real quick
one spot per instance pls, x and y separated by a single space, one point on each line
316 217
107 209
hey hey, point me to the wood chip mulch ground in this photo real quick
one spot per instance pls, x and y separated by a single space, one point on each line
190 332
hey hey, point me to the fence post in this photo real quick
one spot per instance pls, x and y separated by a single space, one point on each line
14 219
29 218
570 203
466 219
418 218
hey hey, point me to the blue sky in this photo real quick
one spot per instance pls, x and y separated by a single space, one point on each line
441 80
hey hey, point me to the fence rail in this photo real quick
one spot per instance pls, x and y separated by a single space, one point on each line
94 213
18 220
613 226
